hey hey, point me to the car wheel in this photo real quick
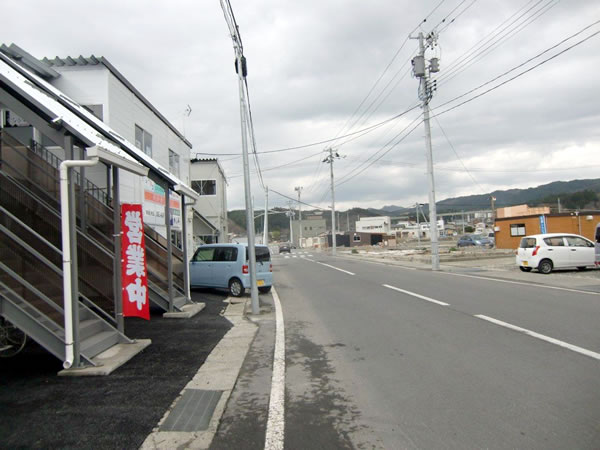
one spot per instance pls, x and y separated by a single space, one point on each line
236 288
545 266
581 267
264 289
525 269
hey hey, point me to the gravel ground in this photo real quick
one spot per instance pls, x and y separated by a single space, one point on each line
39 409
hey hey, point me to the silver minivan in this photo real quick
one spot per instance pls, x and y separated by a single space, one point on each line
225 266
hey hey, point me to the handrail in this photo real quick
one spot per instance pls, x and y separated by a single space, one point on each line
53 211
28 228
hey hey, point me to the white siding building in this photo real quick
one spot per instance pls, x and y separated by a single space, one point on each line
210 211
379 224
96 84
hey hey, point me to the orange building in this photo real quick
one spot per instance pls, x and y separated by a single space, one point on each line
510 230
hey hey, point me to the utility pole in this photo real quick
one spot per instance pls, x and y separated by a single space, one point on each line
242 72
463 220
266 222
348 221
421 71
418 224
298 189
493 200
329 160
290 215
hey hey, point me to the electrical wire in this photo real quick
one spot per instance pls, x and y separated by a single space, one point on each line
519 74
295 200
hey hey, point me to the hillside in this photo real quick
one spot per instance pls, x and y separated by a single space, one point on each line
573 194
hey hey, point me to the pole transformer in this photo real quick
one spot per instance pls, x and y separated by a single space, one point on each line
329 160
422 71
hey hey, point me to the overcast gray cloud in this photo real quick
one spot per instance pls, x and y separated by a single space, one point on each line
311 63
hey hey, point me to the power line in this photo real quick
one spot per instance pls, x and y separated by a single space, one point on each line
296 200
515 77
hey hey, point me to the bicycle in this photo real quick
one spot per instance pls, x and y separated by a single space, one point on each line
12 340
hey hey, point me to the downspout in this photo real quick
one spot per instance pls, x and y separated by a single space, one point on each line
66 252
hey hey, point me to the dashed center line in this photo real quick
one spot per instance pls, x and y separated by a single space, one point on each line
571 347
422 297
331 267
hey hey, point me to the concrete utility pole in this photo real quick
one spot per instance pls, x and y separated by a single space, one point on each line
493 200
290 215
241 70
298 189
418 224
348 221
329 160
422 71
463 221
266 222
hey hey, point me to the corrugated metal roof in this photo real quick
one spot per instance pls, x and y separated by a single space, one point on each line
82 122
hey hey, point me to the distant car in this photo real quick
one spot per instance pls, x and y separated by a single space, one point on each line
225 266
549 251
492 237
474 240
285 248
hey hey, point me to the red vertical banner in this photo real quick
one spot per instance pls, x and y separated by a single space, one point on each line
134 277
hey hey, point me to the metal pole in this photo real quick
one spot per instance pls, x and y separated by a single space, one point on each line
266 222
169 247
73 249
247 191
333 234
186 263
463 221
117 260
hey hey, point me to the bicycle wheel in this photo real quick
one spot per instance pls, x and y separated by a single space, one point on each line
12 340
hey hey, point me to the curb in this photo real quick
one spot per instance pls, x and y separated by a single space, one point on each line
218 373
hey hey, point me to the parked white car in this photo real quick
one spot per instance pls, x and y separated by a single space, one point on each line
546 252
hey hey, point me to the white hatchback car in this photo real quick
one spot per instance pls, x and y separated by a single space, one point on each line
545 252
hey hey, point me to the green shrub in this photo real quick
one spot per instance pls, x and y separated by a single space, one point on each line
354 250
453 249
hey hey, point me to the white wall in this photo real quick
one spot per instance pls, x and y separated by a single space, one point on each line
374 224
212 207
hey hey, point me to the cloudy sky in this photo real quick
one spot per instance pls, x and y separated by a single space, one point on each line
320 70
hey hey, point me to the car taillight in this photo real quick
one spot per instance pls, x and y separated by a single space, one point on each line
245 268
535 250
270 267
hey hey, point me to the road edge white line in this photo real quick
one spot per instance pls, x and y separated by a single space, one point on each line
524 283
432 300
275 434
330 266
543 337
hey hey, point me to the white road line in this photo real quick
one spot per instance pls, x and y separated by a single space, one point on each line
332 267
437 302
275 433
574 348
521 282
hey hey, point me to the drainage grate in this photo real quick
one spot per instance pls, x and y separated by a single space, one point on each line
193 411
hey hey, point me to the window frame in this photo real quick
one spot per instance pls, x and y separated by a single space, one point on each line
517 229
199 186
174 163
145 143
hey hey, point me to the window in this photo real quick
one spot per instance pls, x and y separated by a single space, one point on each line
143 140
517 229
555 241
227 254
577 242
262 254
204 254
356 238
528 243
174 163
205 187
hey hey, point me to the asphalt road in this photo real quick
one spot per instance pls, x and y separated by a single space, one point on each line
414 365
